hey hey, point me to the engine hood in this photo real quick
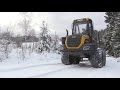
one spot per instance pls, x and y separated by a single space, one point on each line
75 42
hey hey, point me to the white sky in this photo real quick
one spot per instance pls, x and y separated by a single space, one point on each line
57 21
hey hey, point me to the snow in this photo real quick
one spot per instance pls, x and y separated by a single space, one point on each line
48 65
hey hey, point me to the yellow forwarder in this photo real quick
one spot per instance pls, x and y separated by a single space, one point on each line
81 44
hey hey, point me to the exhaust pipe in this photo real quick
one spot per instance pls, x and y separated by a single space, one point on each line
67 32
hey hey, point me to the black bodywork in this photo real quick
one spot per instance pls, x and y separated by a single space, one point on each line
83 52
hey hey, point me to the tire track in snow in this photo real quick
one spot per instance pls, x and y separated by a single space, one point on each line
22 68
50 72
82 66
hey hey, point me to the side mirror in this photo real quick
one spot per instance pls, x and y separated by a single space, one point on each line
67 32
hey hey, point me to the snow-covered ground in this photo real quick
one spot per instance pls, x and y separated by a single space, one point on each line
49 66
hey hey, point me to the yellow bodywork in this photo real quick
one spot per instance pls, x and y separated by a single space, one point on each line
84 37
87 18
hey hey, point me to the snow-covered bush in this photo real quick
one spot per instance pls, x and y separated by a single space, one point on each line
5 49
55 43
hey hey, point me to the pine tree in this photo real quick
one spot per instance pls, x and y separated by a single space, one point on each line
116 37
112 33
44 39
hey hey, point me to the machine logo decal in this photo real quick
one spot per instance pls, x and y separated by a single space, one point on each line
86 47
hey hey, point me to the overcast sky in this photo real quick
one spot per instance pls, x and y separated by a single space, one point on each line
57 21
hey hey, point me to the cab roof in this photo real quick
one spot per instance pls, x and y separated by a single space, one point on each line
83 19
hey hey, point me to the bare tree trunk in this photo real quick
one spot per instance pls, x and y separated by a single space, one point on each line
6 50
25 25
23 53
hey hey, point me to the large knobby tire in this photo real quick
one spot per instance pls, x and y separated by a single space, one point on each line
104 57
65 59
96 59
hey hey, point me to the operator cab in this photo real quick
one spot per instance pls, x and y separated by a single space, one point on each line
82 26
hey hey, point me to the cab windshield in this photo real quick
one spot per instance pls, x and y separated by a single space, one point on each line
80 28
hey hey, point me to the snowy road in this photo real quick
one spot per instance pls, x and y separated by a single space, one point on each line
84 70
50 66
33 71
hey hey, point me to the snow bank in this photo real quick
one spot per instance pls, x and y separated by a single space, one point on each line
15 60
